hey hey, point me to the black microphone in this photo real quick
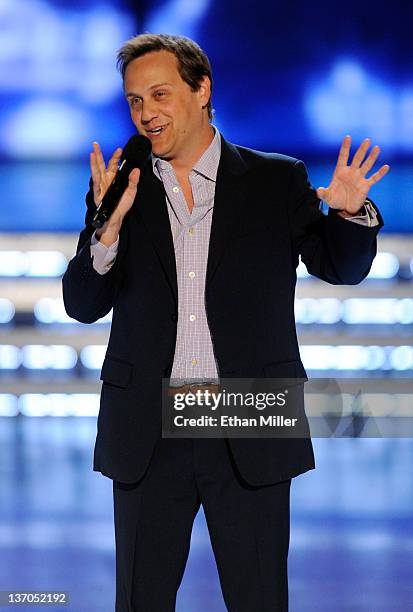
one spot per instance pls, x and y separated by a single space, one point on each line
135 155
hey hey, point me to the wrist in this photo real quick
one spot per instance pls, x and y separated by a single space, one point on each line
346 215
108 235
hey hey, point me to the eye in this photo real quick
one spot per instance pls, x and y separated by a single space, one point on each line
160 94
135 101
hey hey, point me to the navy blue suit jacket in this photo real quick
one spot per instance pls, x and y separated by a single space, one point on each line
265 215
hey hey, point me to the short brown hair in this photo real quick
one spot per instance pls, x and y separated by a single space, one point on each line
193 63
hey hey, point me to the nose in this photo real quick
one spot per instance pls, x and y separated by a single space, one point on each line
149 112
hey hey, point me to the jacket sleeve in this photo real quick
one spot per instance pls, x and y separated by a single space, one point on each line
332 248
88 295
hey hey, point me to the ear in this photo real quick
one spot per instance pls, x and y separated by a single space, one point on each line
204 91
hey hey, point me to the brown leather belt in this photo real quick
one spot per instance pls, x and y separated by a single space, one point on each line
192 388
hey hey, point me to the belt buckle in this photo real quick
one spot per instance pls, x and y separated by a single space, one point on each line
195 386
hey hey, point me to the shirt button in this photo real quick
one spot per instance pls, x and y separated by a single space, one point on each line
192 317
191 230
191 274
175 189
194 362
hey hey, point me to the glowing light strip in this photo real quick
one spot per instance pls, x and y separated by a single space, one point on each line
15 264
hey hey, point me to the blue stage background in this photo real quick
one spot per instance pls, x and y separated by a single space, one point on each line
291 77
288 77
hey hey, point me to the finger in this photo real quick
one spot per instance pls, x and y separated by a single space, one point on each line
114 161
99 158
129 194
94 168
96 177
377 176
321 193
360 153
344 151
370 161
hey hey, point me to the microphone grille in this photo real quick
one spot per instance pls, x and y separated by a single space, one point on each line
137 150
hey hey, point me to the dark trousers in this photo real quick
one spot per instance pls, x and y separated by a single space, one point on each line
249 529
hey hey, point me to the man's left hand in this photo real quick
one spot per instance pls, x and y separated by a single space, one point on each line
349 186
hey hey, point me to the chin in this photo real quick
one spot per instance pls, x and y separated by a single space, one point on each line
162 152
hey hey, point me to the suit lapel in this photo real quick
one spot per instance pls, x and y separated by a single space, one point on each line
228 204
154 214
226 218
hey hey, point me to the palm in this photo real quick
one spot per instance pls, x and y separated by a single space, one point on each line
103 176
349 186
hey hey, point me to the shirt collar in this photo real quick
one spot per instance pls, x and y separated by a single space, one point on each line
207 164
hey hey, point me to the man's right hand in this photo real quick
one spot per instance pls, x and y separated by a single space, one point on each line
102 178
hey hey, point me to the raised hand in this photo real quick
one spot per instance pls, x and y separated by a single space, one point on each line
349 186
102 177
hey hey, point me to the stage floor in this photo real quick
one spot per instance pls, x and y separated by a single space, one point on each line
351 539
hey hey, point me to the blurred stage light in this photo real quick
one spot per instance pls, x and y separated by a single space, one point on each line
63 51
33 263
45 263
7 310
47 127
59 404
351 357
10 357
42 357
378 310
180 17
84 404
401 358
319 357
384 311
385 265
330 310
377 358
351 100
322 310
92 356
52 310
356 357
12 263
8 405
404 311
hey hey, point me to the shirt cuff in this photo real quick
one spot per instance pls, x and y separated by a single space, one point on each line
367 216
103 257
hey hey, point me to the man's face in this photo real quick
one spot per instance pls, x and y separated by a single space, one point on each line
159 98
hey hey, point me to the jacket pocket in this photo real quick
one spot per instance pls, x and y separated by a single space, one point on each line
116 372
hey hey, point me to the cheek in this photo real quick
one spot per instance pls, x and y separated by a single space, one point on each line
135 116
168 111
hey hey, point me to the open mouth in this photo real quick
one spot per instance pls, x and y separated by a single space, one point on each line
156 131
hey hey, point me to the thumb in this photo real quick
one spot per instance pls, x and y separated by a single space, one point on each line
134 177
129 194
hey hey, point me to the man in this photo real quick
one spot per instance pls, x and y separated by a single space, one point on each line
198 262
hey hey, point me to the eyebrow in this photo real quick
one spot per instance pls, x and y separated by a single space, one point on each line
131 93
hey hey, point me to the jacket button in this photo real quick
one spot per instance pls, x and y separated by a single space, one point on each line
167 371
174 317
